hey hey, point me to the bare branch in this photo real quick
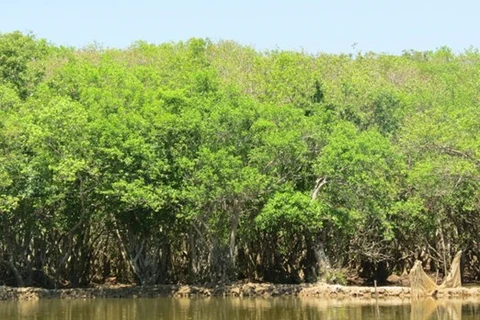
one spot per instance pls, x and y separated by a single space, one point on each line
321 181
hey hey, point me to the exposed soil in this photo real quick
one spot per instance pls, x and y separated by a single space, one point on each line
235 290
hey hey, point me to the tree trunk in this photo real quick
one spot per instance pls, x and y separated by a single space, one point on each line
16 273
323 262
233 234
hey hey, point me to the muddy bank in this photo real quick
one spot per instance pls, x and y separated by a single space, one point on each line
233 290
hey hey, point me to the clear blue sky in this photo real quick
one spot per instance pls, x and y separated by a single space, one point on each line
314 26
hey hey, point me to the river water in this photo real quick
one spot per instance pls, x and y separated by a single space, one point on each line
239 308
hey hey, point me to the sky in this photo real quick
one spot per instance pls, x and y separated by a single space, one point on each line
339 26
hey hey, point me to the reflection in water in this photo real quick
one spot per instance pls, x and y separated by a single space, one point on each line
241 308
445 309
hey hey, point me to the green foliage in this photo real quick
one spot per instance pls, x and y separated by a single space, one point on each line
290 210
17 54
336 276
203 160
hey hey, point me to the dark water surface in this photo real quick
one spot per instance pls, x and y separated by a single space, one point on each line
240 308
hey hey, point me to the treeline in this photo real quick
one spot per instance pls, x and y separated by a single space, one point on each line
199 161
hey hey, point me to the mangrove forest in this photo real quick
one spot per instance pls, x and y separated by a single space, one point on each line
210 161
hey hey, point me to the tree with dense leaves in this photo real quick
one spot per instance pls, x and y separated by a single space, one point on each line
210 161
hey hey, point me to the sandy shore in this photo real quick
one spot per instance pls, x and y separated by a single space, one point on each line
235 290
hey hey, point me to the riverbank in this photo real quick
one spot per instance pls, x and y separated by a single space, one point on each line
232 290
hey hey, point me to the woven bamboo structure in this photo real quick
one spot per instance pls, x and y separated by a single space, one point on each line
422 285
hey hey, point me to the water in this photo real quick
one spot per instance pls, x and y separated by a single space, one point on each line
239 308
